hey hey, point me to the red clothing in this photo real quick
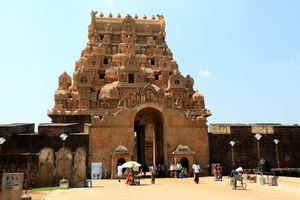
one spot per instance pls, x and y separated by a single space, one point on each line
129 178
220 169
216 174
196 177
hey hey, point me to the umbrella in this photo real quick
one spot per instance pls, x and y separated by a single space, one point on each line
130 164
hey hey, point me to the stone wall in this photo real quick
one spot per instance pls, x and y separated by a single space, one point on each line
23 146
245 148
16 128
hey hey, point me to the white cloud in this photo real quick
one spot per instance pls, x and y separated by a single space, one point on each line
204 72
110 3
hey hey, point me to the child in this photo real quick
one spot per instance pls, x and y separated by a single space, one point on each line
129 178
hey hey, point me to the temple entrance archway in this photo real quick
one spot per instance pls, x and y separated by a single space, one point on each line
149 137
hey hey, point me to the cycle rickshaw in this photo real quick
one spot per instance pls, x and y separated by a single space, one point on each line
238 180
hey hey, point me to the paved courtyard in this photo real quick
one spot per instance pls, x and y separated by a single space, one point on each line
173 189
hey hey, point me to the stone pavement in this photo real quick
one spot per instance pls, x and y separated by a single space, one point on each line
174 189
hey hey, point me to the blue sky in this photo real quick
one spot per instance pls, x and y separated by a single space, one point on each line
244 55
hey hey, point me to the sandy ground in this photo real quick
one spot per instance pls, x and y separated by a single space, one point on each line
172 189
38 195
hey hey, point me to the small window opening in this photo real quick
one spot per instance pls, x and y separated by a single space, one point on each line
83 80
177 82
156 76
102 75
152 61
130 78
105 61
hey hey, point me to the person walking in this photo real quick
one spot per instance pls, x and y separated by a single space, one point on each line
220 171
119 172
216 171
196 168
153 173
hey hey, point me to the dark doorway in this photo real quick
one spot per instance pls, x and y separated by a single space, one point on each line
139 131
185 164
121 161
148 130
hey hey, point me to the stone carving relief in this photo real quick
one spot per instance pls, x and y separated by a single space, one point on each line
151 41
65 81
176 81
183 149
106 39
93 16
114 50
91 33
108 28
128 24
148 29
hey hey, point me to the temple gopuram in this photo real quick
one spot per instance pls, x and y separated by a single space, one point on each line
127 85
127 100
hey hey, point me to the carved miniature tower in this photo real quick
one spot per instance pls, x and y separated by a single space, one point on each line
128 86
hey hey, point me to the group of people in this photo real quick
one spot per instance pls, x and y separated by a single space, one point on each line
129 173
178 171
218 170
175 171
133 172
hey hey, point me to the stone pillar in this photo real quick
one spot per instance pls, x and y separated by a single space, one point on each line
64 164
79 174
46 167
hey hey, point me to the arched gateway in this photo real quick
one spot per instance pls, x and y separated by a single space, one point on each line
149 137
128 88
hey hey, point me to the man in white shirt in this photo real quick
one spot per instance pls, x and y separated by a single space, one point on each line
196 168
119 172
239 170
173 169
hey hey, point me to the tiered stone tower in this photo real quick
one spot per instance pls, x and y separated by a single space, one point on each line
127 66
